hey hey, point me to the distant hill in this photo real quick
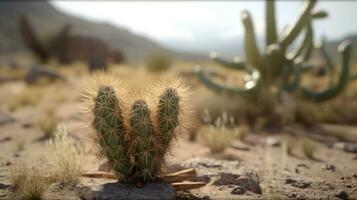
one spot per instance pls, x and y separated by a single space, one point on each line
46 19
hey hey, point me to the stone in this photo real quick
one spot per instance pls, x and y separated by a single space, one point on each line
342 195
330 167
347 147
117 191
238 191
297 183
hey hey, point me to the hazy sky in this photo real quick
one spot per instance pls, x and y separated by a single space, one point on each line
198 25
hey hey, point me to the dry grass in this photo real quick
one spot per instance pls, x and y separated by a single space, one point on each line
20 143
29 183
158 63
219 136
47 125
309 148
65 157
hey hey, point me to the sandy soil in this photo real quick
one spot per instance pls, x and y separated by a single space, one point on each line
278 174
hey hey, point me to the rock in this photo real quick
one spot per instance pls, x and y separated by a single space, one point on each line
250 182
347 147
105 167
303 165
247 182
117 191
6 139
354 175
240 146
274 142
238 191
36 72
330 167
297 183
342 195
227 179
5 118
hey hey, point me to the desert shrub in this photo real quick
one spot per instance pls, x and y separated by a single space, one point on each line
65 156
48 125
309 148
158 63
29 182
219 136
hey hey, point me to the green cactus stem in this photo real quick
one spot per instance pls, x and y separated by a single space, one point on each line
167 117
345 51
250 87
108 122
250 45
293 30
271 31
142 128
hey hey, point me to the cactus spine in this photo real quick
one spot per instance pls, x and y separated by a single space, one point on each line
136 143
276 67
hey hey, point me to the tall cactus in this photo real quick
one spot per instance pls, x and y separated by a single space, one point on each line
135 143
276 67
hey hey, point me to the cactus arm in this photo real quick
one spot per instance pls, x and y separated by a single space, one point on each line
345 50
249 88
235 64
293 30
253 56
271 32
108 121
325 55
143 129
31 40
319 14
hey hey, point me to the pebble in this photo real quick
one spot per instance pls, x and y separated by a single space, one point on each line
342 195
330 167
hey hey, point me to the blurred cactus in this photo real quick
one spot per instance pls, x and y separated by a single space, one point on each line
135 144
277 68
67 48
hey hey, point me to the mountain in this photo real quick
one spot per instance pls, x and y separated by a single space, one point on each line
46 20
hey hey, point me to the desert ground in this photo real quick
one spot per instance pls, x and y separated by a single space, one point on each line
312 160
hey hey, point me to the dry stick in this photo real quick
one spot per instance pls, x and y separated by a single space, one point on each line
187 185
175 179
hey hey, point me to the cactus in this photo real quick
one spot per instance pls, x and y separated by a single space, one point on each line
278 68
136 140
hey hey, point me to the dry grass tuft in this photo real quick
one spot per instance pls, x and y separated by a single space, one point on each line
309 148
48 125
29 183
219 136
65 156
158 63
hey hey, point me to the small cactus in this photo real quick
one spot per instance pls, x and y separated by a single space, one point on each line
135 140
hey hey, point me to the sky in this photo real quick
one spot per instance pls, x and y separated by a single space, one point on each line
201 26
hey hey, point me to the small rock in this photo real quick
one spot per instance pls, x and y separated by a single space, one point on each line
250 182
342 195
347 147
6 139
274 142
297 170
298 184
330 167
354 175
238 191
240 146
303 165
226 179
16 155
8 163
